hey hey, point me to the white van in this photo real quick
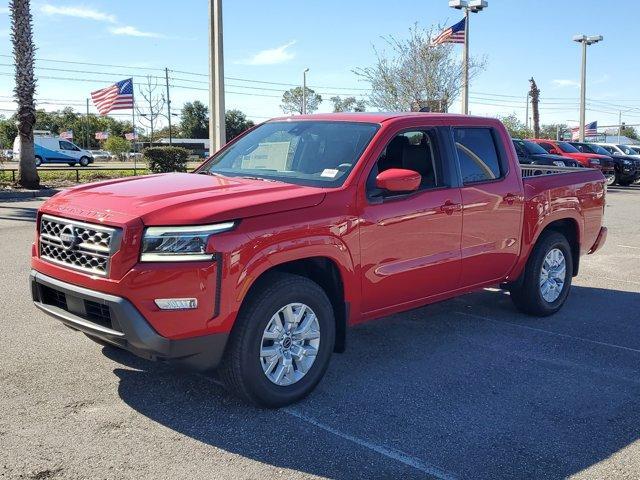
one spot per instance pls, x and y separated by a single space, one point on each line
50 149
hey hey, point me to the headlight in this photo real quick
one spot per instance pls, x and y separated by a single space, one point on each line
594 161
627 162
558 163
179 244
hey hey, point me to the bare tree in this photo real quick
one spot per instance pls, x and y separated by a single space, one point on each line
416 72
535 98
152 103
24 57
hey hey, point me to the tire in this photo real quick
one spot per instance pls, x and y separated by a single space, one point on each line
527 295
38 160
610 180
84 161
71 164
242 369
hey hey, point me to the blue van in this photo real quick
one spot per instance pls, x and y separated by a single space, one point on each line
50 149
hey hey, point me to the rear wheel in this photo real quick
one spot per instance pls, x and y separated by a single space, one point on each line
547 277
281 343
38 161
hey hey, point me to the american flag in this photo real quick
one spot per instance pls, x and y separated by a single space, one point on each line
453 34
68 135
102 135
590 130
118 96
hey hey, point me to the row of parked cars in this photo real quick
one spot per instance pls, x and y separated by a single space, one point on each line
620 164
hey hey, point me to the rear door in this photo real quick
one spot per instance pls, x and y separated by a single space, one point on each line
492 205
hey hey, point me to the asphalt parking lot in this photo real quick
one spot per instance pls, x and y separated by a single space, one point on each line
468 388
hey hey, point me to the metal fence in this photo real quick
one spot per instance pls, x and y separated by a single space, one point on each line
135 170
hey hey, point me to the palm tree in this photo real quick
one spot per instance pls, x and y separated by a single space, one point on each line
24 57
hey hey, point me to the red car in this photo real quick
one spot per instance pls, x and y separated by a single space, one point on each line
590 160
256 263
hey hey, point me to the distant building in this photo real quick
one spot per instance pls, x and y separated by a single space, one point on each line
197 146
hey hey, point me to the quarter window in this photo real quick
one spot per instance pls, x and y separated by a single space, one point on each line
477 153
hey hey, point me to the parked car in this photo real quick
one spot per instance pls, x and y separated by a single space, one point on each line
602 162
635 148
256 263
627 167
616 149
530 153
7 154
51 149
100 155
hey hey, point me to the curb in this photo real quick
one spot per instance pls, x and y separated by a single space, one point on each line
26 194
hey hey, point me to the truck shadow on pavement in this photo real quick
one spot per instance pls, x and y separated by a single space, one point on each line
468 388
25 214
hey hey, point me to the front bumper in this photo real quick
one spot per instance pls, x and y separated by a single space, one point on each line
115 320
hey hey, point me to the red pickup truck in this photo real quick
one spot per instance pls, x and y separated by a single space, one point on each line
256 263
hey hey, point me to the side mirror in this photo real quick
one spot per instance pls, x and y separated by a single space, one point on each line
617 153
398 180
554 151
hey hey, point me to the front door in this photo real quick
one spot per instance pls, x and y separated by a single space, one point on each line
410 243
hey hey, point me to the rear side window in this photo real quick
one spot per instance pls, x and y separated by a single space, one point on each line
477 153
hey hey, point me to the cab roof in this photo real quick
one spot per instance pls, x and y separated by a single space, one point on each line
369 117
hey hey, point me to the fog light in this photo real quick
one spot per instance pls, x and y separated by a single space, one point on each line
176 303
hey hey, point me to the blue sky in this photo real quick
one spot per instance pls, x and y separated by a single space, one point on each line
273 41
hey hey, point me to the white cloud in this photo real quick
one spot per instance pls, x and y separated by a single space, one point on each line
78 12
130 31
272 56
564 82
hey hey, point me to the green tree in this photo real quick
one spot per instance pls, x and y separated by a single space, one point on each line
235 123
551 130
348 104
629 132
416 72
8 132
292 100
117 146
24 58
194 120
515 127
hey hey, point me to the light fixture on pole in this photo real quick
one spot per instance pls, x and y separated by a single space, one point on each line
585 40
473 6
303 110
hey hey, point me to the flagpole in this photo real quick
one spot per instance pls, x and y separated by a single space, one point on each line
465 63
133 127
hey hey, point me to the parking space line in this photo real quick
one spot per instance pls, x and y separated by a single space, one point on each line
387 452
629 246
540 330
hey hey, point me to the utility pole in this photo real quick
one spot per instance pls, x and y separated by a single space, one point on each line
526 114
166 77
86 125
217 137
303 110
473 6
619 125
585 41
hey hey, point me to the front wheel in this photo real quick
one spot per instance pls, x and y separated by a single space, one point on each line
281 343
84 161
547 277
610 180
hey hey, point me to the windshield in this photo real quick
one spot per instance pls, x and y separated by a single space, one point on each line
598 149
590 148
314 153
567 147
627 150
534 148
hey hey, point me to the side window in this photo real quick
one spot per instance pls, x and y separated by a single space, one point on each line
520 149
66 145
608 148
415 150
477 153
546 146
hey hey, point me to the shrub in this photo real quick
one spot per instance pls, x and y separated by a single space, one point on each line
166 159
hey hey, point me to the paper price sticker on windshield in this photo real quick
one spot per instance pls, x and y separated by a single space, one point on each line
329 172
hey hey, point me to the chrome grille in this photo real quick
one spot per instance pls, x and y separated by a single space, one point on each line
78 245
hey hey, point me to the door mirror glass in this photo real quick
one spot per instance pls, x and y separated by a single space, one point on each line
398 180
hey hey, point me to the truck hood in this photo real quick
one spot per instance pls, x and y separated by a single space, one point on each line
179 199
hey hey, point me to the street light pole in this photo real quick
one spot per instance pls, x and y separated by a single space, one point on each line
166 76
304 91
473 6
585 41
217 137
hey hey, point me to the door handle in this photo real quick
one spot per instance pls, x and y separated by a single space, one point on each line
510 198
449 207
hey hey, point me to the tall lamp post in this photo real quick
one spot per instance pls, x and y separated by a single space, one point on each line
304 91
217 137
585 41
473 6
